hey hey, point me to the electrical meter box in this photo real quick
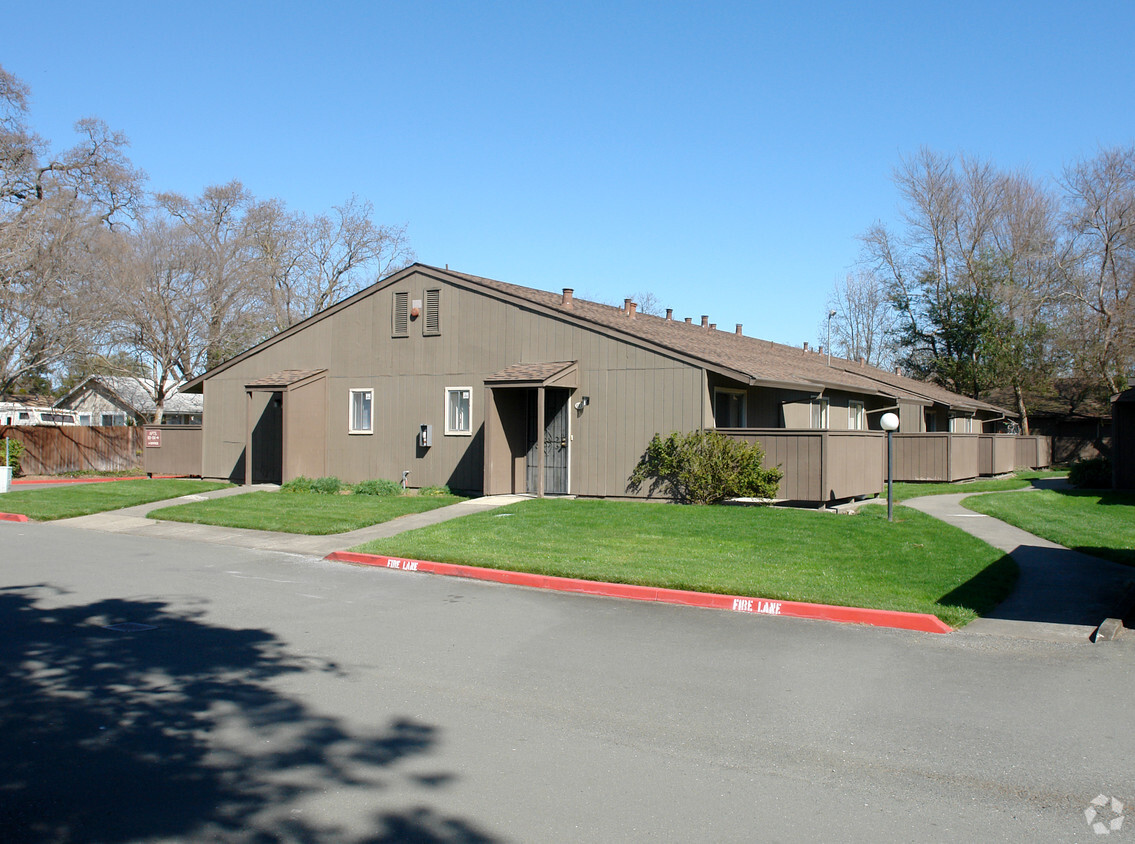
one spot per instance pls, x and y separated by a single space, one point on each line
426 435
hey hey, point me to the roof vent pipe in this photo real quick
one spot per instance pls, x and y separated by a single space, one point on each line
669 314
633 309
626 307
738 331
705 320
805 345
567 297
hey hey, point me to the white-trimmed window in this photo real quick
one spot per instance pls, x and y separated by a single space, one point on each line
361 420
856 416
820 414
728 408
961 424
459 411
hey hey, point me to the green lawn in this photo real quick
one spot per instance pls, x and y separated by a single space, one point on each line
1020 480
302 512
916 564
64 502
1098 523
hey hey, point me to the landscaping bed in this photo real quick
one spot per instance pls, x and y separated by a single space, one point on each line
915 564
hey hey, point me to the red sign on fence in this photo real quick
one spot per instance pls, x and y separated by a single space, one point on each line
153 438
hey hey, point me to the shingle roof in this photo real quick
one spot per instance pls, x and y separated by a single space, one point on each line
530 371
137 394
284 378
761 360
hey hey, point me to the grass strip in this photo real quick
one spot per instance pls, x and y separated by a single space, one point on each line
1020 480
916 564
302 512
1097 523
83 499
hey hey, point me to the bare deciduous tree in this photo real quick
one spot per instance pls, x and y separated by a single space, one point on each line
57 213
864 322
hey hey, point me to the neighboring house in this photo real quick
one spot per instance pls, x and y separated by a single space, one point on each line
449 378
110 400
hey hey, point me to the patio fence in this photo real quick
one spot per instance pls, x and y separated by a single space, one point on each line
50 450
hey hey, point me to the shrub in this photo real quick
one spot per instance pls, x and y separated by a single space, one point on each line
381 486
15 452
326 486
435 490
1093 473
704 467
323 486
300 484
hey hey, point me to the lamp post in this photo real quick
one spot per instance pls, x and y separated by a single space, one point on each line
830 315
890 423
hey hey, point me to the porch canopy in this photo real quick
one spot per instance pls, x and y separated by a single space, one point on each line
509 448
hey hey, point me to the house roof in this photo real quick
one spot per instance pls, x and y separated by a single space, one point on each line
284 378
137 394
745 359
528 373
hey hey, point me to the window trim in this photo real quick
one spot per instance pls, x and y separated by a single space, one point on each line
854 419
823 406
455 432
744 394
369 392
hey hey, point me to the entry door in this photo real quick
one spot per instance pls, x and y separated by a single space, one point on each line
553 440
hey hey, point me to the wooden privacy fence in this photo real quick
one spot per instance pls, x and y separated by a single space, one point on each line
1033 452
50 450
821 466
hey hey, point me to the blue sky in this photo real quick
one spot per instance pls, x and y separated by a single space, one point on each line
723 156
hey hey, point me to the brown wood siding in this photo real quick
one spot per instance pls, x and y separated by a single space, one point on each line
634 392
179 452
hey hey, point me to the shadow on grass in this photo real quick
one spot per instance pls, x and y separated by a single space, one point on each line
176 732
988 588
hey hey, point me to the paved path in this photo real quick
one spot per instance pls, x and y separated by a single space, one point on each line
1061 594
133 520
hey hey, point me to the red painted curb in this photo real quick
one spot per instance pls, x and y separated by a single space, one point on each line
12 517
922 622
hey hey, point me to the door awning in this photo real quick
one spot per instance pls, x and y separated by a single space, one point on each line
554 374
285 379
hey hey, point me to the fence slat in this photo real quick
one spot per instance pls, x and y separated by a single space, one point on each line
50 450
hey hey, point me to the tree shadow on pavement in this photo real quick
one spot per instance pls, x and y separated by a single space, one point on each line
176 731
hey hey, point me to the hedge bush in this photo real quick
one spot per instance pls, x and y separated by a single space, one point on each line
1093 473
15 451
323 486
704 467
379 486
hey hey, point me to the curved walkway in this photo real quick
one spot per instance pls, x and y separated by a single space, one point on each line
1061 594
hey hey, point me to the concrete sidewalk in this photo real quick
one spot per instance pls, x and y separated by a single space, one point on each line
1061 595
132 520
